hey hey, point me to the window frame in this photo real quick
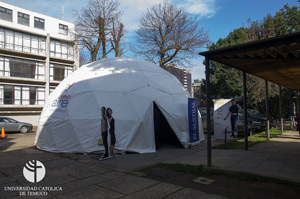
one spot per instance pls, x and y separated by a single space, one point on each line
12 99
23 18
7 12
38 21
63 29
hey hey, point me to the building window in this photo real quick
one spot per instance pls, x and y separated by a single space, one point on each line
32 95
23 18
11 67
22 69
39 23
59 72
62 50
5 14
63 29
22 42
22 95
8 94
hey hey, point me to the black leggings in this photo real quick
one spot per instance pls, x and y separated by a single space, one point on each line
112 138
104 138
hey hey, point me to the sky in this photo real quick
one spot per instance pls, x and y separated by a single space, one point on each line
218 17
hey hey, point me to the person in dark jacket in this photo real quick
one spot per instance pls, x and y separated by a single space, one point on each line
111 122
234 112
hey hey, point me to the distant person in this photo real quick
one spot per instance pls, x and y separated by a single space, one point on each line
297 119
111 122
104 132
234 112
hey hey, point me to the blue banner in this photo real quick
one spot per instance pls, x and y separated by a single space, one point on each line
193 120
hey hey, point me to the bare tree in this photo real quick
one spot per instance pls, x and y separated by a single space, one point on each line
169 35
82 59
94 24
117 34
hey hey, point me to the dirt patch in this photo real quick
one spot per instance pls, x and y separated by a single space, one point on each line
224 185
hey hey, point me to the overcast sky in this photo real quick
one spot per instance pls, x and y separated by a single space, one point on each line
219 17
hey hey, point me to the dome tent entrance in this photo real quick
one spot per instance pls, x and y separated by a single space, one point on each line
70 120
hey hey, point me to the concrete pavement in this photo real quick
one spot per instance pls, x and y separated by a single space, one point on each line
80 176
279 158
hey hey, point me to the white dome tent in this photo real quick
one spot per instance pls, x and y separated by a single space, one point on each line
70 120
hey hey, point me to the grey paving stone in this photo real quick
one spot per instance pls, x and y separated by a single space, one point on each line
157 191
193 194
84 167
49 180
78 184
128 184
58 163
91 192
12 171
4 180
4 193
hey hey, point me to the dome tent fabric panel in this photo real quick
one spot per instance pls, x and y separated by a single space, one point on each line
70 120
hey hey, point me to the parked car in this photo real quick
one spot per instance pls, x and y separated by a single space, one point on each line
252 125
258 119
204 118
11 125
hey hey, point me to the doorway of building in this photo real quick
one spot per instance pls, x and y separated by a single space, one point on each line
164 135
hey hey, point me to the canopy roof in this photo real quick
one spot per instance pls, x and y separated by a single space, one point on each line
276 59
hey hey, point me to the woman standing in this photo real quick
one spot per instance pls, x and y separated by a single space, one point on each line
111 121
104 132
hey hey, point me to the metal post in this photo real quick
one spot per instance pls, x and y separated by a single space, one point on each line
208 111
245 110
225 138
280 110
267 109
297 102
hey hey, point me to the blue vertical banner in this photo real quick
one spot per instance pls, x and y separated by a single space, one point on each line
193 120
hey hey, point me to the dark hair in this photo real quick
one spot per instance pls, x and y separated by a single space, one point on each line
108 113
103 108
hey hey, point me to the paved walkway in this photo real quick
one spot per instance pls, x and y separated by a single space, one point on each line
80 176
279 158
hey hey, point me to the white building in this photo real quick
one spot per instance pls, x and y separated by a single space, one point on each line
183 75
36 52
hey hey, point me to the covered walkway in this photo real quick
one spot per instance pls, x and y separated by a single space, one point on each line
276 59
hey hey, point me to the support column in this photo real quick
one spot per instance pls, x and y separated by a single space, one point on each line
245 110
297 102
207 73
267 109
280 110
47 71
76 56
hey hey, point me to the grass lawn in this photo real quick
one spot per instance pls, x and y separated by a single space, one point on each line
252 140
